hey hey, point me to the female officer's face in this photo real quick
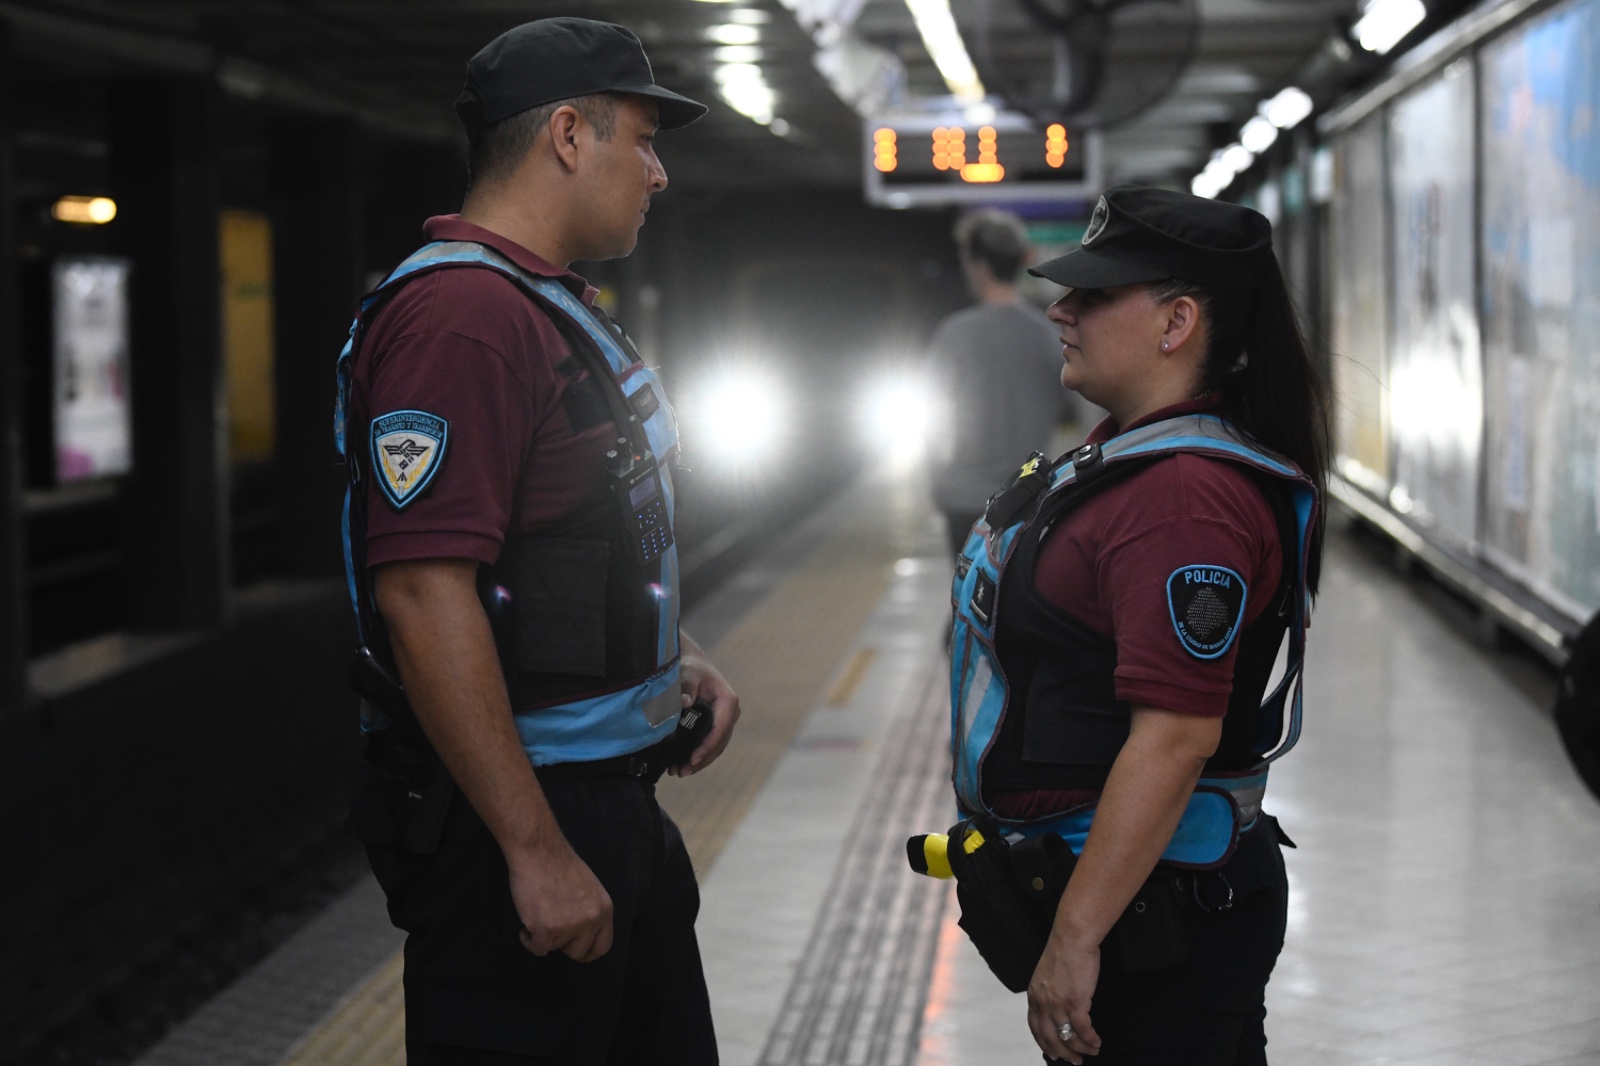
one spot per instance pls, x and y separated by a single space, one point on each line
1111 342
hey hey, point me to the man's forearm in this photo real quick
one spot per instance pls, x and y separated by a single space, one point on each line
446 655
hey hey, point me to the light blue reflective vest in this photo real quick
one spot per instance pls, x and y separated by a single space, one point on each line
624 715
1223 805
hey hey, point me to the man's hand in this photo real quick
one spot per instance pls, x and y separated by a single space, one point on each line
702 681
1061 990
562 905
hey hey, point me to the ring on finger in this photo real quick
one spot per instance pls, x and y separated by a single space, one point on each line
1065 1031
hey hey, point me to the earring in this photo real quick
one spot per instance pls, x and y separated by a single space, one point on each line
1163 345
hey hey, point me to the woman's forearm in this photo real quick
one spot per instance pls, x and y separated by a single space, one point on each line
1144 798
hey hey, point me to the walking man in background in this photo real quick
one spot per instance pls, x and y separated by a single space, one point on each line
998 366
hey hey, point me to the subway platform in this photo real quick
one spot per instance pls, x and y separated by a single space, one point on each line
1445 895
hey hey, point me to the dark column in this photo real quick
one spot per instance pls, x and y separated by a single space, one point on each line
317 262
164 171
13 612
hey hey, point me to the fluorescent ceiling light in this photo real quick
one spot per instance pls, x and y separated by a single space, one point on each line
749 16
1288 109
746 91
1237 158
943 40
729 33
1258 135
737 53
1386 23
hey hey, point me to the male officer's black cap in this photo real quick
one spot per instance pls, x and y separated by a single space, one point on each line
1142 234
558 58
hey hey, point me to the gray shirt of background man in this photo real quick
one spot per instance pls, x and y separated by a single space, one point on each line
998 364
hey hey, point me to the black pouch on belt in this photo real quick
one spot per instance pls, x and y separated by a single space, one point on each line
402 789
1007 893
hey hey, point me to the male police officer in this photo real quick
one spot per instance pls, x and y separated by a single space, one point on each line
511 555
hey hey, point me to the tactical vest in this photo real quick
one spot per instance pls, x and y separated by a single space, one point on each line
585 612
1010 647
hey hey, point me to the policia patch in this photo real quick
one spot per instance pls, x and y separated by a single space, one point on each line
407 448
1207 604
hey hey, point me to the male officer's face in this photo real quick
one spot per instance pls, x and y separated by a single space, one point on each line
619 177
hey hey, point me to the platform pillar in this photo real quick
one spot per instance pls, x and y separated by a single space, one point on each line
317 263
13 576
177 529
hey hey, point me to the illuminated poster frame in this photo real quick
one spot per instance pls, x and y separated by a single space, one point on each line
93 420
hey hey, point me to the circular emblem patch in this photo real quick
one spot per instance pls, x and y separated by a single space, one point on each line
1207 604
1097 221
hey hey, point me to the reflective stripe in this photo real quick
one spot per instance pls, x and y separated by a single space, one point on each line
602 727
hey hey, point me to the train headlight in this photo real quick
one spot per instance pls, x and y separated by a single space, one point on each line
737 417
898 411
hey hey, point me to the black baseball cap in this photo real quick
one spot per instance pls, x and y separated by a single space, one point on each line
1144 234
559 58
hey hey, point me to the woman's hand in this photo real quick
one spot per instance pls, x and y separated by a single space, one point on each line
1061 990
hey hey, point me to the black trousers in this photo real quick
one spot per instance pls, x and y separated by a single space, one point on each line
476 997
1211 1010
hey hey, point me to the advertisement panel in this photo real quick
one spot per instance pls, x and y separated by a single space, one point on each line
93 432
1540 257
1435 368
1358 251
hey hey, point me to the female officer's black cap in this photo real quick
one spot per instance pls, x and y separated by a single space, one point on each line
1142 234
559 58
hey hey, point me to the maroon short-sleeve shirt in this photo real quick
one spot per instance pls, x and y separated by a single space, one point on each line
469 348
1108 566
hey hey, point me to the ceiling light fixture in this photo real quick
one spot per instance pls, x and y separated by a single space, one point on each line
1385 23
942 38
746 90
730 33
85 210
1288 109
1257 135
737 53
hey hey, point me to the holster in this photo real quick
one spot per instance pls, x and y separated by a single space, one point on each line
1008 893
402 789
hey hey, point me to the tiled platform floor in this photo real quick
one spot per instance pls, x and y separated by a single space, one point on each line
1446 892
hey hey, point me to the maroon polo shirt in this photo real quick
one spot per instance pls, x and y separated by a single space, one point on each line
468 347
1108 563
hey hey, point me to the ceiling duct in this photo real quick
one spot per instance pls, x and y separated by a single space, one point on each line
1098 63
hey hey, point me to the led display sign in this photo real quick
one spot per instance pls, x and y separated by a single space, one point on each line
923 161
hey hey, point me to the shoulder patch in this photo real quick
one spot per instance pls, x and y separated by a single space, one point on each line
1207 605
407 449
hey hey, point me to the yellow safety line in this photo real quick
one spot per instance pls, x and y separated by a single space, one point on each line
779 658
850 679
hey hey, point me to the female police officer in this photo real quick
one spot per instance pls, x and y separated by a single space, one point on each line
1118 615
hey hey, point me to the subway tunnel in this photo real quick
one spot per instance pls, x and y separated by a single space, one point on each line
195 196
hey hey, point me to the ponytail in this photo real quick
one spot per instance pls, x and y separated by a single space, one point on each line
1256 357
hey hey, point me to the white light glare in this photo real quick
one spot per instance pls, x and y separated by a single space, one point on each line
943 41
732 33
1257 135
1386 22
746 91
896 413
1208 184
749 16
1288 109
738 417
